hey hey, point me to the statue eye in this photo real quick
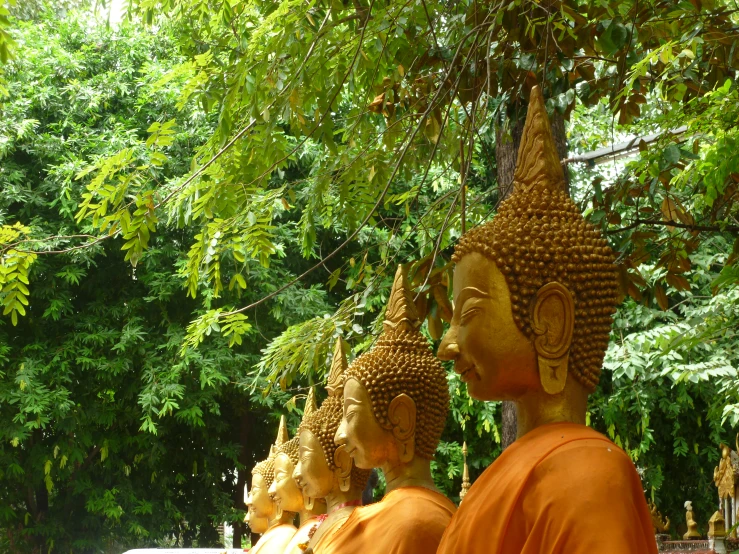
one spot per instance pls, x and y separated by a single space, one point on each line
469 314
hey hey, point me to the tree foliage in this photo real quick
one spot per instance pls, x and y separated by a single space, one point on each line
107 434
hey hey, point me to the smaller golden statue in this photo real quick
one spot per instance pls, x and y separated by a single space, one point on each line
396 401
286 492
325 470
692 532
279 528
465 474
661 525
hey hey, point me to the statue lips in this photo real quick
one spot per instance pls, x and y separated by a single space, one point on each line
466 372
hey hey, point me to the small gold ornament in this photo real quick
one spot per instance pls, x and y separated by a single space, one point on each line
465 475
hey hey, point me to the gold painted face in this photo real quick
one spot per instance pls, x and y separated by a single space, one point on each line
312 474
257 524
368 444
261 503
284 489
489 351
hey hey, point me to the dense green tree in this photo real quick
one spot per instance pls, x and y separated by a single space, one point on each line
108 437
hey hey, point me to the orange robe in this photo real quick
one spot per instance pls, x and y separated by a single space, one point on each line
329 532
275 540
301 537
409 520
560 489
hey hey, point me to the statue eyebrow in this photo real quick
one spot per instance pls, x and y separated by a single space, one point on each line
470 291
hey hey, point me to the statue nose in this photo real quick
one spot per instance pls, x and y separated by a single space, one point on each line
448 349
340 436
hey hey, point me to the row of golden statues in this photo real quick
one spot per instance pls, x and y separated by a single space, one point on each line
534 292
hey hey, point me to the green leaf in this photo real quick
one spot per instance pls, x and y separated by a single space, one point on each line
672 154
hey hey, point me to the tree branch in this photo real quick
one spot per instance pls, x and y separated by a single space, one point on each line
699 228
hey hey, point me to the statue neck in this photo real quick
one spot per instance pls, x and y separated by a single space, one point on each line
416 473
286 517
318 508
537 408
337 497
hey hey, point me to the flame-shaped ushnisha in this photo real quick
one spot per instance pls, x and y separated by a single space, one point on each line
538 166
310 403
266 468
335 382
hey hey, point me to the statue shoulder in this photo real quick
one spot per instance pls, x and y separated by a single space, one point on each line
595 465
593 481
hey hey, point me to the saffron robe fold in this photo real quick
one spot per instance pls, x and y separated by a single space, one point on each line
562 488
408 520
301 537
328 533
274 540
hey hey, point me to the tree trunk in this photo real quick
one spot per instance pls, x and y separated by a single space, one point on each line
240 529
506 152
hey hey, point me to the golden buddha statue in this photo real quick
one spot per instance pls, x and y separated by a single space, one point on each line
396 401
279 527
692 533
286 493
534 292
325 470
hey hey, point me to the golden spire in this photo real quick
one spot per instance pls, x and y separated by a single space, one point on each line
401 310
538 164
338 366
282 436
465 475
310 403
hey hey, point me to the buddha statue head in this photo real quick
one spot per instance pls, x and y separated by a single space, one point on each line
325 467
285 490
260 501
396 396
534 289
257 524
261 505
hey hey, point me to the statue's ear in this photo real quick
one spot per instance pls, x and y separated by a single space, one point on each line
553 321
343 471
402 416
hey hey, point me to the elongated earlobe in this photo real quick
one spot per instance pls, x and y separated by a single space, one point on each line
402 415
553 321
343 463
